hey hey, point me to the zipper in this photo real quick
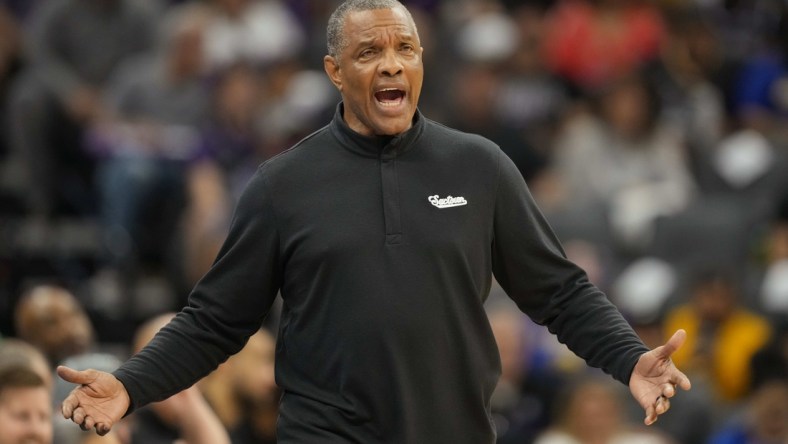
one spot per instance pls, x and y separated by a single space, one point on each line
391 203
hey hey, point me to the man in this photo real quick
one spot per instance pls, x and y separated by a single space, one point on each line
72 48
16 352
25 407
51 318
382 231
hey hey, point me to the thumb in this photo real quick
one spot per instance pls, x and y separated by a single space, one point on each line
674 343
74 376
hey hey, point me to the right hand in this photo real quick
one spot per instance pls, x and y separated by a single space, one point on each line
99 402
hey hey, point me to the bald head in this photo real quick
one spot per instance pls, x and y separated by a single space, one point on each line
51 318
148 330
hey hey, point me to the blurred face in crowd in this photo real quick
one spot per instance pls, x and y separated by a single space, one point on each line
233 8
778 242
770 412
187 52
252 371
16 352
626 109
593 413
714 300
51 319
25 415
379 71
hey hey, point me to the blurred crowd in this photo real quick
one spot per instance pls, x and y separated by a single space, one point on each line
652 133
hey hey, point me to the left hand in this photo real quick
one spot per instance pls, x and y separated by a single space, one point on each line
654 378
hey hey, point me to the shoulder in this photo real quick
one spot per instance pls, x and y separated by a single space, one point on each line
757 325
460 139
299 152
453 145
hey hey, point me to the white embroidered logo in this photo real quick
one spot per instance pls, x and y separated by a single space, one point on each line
448 201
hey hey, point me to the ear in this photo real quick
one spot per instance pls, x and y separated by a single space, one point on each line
331 65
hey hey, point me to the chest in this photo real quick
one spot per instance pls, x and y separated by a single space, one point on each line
358 206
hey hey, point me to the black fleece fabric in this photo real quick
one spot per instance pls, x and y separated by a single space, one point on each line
383 249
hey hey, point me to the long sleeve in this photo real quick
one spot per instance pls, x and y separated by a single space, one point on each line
532 268
225 308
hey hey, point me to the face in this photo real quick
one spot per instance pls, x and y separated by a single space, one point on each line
593 413
714 301
25 416
379 72
770 412
56 323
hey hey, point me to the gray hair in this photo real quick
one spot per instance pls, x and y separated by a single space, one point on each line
336 23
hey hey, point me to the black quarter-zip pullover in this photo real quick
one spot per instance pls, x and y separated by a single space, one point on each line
383 249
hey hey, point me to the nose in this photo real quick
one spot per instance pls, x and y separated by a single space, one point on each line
390 64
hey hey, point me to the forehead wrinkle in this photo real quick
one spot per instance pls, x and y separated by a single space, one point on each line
371 36
376 31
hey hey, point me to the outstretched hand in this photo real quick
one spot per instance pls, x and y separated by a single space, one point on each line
655 378
98 402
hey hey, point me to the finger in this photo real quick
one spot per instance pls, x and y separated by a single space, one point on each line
74 376
651 415
681 380
668 390
78 416
89 423
663 405
674 343
68 406
102 429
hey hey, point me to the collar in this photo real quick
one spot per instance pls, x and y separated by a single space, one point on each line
385 147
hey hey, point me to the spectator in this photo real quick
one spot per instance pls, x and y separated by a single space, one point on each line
522 400
243 392
158 103
591 413
619 156
590 43
25 407
226 159
184 418
74 47
722 335
689 76
642 291
51 318
18 353
765 419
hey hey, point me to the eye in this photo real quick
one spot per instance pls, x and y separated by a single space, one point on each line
407 47
367 53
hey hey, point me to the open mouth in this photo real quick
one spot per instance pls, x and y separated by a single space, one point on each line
390 97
